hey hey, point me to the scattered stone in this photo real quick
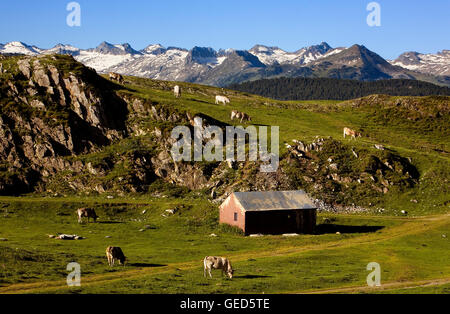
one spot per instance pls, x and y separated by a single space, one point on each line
108 237
334 167
213 235
324 207
338 233
256 235
379 147
308 179
404 212
144 212
414 201
444 236
110 197
171 211
289 235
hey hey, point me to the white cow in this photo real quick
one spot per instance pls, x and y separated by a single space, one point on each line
177 91
211 262
222 99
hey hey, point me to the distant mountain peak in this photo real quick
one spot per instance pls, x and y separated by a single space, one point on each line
263 48
107 48
202 55
436 64
155 49
18 47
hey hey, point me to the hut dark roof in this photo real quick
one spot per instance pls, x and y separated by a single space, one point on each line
273 200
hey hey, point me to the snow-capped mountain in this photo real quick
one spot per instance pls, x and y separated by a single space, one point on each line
274 55
17 47
117 50
63 49
223 67
436 64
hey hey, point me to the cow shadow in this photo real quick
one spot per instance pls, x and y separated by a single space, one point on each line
110 222
332 229
146 265
202 101
63 214
252 276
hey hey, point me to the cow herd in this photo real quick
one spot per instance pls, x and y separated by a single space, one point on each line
241 116
235 114
114 253
209 263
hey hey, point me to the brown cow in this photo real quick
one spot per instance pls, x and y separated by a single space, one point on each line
114 253
353 134
87 213
240 116
116 77
211 262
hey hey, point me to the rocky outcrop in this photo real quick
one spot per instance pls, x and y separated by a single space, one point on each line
337 173
51 113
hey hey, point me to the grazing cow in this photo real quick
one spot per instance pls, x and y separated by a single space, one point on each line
114 253
351 133
240 116
177 91
222 99
221 263
116 77
86 212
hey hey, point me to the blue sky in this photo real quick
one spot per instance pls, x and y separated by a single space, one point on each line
406 25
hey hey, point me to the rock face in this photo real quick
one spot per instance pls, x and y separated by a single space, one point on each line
337 173
47 115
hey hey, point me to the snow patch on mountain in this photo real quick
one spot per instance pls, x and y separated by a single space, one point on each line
17 47
436 64
274 55
102 62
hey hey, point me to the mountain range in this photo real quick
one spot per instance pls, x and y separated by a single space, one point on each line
224 67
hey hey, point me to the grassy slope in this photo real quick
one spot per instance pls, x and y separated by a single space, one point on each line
407 248
426 143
